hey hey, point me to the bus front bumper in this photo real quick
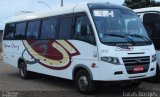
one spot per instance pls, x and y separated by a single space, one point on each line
110 72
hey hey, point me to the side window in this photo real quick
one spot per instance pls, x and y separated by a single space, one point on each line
20 30
9 31
152 24
33 29
83 30
65 28
49 28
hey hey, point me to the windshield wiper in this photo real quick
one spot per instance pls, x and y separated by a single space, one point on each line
121 36
139 36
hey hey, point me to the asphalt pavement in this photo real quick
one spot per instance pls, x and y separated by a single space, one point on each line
11 85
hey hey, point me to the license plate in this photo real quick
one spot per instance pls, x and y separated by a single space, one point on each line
138 69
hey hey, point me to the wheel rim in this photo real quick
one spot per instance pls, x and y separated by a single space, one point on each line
83 83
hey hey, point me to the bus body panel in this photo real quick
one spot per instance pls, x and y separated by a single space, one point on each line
60 57
100 72
15 50
87 56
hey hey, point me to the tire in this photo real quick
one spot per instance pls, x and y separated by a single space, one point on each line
83 82
156 78
133 84
24 74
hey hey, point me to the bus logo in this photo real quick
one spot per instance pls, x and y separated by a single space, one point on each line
138 60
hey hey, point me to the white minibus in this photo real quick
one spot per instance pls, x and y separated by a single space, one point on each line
151 20
87 43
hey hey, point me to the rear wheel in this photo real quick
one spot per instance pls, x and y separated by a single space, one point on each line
84 82
23 71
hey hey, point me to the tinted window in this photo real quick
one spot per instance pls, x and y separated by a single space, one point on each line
65 28
83 30
9 31
152 24
48 30
113 25
83 26
33 29
20 30
151 16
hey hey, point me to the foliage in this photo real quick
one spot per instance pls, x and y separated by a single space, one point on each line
134 4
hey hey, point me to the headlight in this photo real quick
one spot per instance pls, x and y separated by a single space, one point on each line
111 60
154 58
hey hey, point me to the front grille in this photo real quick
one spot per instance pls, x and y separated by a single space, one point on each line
130 62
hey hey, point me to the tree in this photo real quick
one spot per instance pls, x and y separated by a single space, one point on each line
134 4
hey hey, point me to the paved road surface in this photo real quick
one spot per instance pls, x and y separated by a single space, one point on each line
45 86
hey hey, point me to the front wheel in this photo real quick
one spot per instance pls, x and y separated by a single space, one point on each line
84 82
23 71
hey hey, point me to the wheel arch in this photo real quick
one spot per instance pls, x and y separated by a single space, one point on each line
80 67
20 60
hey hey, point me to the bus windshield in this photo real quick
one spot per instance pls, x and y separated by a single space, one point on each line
117 25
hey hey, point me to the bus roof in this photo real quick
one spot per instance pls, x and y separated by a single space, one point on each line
42 13
106 5
148 9
81 7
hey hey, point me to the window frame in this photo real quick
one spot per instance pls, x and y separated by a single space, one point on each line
81 14
47 18
24 32
72 15
72 24
150 21
39 30
4 37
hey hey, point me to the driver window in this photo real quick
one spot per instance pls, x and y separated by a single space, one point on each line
83 30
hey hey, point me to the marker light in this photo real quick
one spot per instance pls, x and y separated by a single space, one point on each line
93 65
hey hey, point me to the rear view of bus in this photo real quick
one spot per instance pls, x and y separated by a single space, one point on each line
87 43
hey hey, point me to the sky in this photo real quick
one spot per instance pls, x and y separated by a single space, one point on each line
9 8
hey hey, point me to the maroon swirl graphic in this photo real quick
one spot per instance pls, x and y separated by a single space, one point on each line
52 54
